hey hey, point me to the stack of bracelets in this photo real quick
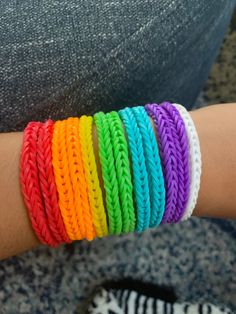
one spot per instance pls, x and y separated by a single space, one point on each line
146 172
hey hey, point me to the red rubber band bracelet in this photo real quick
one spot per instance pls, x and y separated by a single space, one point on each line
30 185
47 183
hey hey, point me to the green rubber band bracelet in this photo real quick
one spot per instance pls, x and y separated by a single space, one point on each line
123 171
109 176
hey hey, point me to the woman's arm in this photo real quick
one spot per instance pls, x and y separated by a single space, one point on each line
16 233
216 126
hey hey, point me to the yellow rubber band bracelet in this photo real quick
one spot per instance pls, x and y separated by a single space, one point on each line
90 166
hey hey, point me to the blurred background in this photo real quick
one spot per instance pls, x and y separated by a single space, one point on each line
221 84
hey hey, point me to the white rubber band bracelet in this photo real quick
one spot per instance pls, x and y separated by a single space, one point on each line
194 160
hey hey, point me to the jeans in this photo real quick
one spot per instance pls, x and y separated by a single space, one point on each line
65 58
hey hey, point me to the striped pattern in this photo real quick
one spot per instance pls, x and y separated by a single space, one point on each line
131 302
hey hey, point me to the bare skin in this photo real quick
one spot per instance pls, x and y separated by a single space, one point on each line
216 126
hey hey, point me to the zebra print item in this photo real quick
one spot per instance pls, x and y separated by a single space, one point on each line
119 301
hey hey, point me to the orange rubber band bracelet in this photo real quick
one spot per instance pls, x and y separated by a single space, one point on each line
63 181
78 179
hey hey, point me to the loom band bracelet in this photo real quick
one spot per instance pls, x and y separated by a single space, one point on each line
76 173
153 164
63 181
47 183
94 188
109 176
194 160
168 158
123 171
181 145
139 170
29 178
82 186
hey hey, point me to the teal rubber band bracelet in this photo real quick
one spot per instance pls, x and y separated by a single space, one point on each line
153 164
139 170
123 171
107 161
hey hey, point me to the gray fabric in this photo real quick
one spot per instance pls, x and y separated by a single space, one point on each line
61 58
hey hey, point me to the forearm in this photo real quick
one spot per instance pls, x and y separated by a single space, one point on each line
217 198
16 233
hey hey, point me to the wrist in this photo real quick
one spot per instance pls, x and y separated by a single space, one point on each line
217 132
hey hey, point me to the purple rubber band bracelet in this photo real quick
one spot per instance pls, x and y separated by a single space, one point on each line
182 150
168 156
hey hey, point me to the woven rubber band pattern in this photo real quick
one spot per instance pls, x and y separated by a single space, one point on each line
182 151
168 157
30 185
47 183
139 170
63 181
120 150
95 192
153 164
132 177
108 173
74 165
195 161
81 180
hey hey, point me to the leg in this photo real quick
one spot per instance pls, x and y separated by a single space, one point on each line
60 58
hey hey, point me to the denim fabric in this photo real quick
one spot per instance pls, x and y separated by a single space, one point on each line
61 58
